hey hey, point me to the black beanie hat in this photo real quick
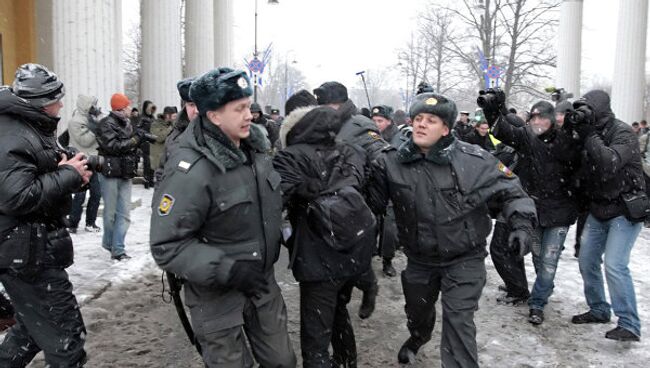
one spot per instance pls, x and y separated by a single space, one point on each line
383 111
217 87
434 104
331 93
170 110
563 107
255 107
543 109
299 99
183 87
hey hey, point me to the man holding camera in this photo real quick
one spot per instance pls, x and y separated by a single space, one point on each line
118 144
612 178
36 183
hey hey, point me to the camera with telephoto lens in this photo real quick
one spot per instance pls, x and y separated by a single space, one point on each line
145 137
94 163
582 114
491 99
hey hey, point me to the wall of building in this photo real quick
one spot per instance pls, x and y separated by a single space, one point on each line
18 36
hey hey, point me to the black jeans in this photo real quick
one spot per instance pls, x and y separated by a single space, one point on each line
147 171
389 235
323 318
93 203
508 263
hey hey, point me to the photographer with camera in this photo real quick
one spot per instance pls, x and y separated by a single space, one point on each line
118 144
82 128
36 184
612 178
550 157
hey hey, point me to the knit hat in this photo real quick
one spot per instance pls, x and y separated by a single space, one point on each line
217 87
331 93
435 104
119 101
183 87
255 107
563 107
38 85
301 98
543 109
383 111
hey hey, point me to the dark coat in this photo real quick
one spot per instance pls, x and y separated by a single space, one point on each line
271 127
611 167
394 136
483 142
313 154
217 205
34 190
359 130
171 143
546 165
440 199
462 130
118 145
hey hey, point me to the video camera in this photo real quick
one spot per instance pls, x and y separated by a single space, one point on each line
94 163
558 94
582 114
491 99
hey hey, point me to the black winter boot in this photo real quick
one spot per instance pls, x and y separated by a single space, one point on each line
588 318
536 317
388 268
368 302
408 351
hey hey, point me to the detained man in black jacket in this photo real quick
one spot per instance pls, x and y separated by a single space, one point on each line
361 131
613 180
312 165
440 187
551 156
36 184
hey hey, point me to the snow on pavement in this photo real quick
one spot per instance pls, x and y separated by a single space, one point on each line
123 311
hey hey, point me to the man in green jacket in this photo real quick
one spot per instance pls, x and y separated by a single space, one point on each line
216 224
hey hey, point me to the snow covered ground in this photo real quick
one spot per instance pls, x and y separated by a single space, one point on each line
130 326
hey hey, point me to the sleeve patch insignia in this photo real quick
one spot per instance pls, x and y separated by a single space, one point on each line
374 135
505 170
166 204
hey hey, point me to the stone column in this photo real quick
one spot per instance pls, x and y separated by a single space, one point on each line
199 37
78 44
161 52
223 32
569 47
628 85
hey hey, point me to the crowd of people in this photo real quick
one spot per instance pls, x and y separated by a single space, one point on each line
352 184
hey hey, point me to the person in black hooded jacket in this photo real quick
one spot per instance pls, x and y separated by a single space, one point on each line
552 156
311 164
147 118
36 184
612 178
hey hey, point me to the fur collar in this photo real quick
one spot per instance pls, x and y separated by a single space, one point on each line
440 153
291 120
209 140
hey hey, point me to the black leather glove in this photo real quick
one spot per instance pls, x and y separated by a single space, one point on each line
584 130
247 278
309 189
520 240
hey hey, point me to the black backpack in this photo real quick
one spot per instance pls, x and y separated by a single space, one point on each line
339 215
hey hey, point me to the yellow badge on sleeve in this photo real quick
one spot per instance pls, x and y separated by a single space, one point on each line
166 204
374 135
505 170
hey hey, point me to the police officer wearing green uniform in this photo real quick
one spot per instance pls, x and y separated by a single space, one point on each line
439 187
216 224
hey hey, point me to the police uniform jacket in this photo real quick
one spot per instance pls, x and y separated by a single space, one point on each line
440 199
217 205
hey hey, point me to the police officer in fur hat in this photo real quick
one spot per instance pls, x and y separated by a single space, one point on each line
216 224
439 187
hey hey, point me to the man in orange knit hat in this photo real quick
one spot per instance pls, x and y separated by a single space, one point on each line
118 144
